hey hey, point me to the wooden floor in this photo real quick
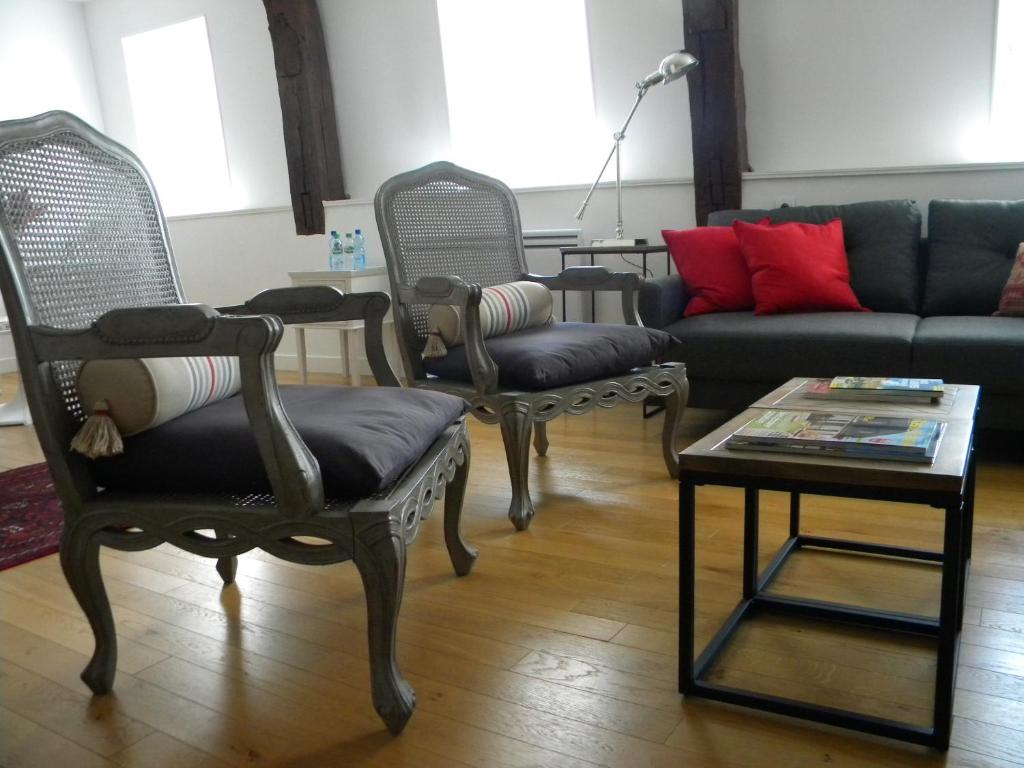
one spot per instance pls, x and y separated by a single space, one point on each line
558 650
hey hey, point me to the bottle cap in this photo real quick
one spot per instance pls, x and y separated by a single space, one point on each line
359 231
334 233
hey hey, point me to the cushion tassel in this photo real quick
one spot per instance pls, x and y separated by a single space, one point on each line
435 345
98 437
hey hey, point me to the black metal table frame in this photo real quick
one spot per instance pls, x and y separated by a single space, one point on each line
954 558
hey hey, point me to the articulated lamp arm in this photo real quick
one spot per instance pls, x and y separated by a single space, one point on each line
672 67
618 136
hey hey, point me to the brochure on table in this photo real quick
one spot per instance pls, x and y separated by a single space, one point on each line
792 397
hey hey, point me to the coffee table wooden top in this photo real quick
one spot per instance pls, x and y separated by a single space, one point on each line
945 475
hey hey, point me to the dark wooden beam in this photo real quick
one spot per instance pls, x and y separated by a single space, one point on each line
717 105
307 110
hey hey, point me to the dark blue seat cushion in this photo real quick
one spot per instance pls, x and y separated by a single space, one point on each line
364 438
559 355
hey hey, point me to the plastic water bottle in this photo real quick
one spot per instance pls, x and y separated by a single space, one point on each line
335 253
359 256
350 250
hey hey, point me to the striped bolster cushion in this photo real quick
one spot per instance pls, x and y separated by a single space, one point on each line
146 392
503 309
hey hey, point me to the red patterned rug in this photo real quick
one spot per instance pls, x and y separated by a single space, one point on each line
31 518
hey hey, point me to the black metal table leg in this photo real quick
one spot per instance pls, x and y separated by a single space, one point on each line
949 615
687 585
794 514
750 522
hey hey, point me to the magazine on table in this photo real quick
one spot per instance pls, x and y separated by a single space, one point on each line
877 388
837 434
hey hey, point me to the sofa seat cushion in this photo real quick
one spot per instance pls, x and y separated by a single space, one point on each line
988 351
882 240
772 348
971 248
559 355
363 438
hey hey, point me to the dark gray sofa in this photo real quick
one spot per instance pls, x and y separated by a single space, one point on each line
931 299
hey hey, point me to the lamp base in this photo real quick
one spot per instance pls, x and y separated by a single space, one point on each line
618 242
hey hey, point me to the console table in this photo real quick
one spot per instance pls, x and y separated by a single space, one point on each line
347 281
946 485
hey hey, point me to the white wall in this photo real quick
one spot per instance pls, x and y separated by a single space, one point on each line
45 60
243 63
830 84
386 65
45 64
385 61
841 84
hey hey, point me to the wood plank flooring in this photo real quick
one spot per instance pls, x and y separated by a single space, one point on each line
558 650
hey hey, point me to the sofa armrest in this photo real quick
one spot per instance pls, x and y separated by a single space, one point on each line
662 300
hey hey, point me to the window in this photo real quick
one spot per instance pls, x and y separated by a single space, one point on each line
1008 81
177 116
520 96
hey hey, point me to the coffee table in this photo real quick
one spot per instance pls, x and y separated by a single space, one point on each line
947 485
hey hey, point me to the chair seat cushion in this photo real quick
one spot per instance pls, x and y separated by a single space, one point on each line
559 355
363 438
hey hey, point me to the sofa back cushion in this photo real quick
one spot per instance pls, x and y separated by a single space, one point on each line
971 246
881 245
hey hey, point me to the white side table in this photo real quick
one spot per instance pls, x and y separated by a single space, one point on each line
354 281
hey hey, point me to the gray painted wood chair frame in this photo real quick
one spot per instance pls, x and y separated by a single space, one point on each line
87 272
448 232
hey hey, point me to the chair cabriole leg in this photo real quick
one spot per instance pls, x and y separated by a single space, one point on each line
227 567
515 434
540 437
380 557
80 561
463 555
675 405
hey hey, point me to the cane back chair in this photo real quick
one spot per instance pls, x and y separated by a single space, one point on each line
447 233
87 273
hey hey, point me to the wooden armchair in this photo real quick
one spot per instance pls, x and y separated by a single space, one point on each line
87 273
447 233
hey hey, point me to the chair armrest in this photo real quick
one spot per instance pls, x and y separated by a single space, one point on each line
195 330
326 304
662 300
452 291
596 279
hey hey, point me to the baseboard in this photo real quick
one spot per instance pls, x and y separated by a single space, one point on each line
319 364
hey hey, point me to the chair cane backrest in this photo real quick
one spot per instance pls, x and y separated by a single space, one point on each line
439 221
81 233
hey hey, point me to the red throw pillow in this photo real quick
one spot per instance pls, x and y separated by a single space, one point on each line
712 267
797 267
